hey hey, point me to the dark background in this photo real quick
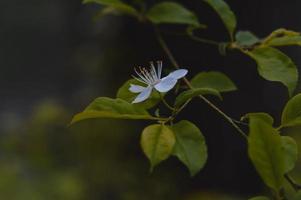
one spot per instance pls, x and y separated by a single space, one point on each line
55 59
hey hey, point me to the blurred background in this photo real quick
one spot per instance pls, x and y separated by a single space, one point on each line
56 57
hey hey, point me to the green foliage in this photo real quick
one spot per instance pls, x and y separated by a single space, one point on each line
213 80
226 14
297 196
291 115
189 94
246 38
263 116
190 146
116 5
290 149
266 153
125 94
273 65
260 198
283 37
104 107
157 142
173 13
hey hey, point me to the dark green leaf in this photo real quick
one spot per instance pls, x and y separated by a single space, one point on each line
291 115
189 94
263 116
266 152
157 142
190 146
273 65
226 14
283 37
125 94
246 38
116 5
104 107
290 148
260 198
213 80
171 12
297 196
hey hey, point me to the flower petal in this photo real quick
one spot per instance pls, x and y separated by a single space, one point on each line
136 88
180 73
143 95
166 84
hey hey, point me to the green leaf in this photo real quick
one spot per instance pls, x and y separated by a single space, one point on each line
189 94
125 94
291 114
117 5
273 65
290 149
104 107
261 115
225 13
260 198
266 153
283 37
190 147
173 13
213 80
297 196
157 142
246 38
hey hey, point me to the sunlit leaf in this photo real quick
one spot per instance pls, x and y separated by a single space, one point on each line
283 37
117 5
190 146
189 94
125 94
213 80
291 115
226 14
171 12
290 149
266 152
246 38
104 107
273 65
157 142
261 115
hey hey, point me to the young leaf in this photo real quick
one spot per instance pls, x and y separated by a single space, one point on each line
225 13
125 94
104 107
189 94
246 38
291 115
260 198
173 13
117 5
266 153
263 116
157 142
290 149
190 147
213 80
283 37
273 65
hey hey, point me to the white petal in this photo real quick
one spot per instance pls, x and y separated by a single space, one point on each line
143 95
136 88
180 73
166 84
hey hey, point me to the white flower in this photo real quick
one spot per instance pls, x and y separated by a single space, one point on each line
152 78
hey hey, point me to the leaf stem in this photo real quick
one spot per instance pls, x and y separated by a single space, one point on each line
176 65
203 40
166 104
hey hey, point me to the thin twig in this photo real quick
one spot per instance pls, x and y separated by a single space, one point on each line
176 65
